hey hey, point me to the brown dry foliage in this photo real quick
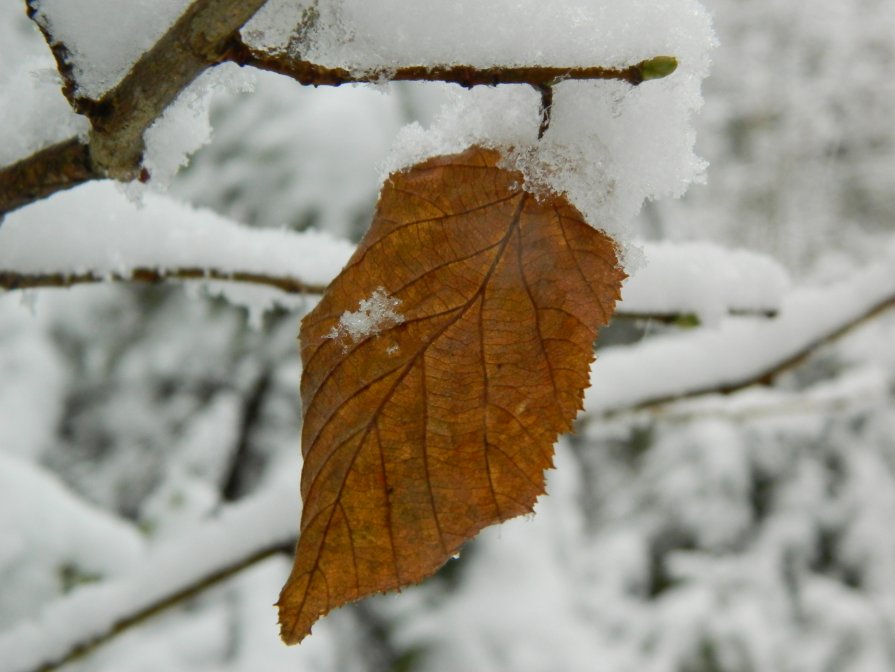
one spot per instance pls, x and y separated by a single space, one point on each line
443 422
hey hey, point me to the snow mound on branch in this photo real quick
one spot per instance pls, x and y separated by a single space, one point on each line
59 235
34 85
609 147
704 279
106 37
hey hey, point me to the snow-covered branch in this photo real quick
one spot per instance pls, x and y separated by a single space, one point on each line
119 118
167 575
205 35
53 244
141 275
741 351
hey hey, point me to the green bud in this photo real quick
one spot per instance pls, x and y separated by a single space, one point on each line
658 67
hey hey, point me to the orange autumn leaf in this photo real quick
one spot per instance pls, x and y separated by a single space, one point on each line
439 368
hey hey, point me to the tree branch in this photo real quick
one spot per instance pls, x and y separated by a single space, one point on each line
312 74
60 166
205 35
764 374
13 280
195 42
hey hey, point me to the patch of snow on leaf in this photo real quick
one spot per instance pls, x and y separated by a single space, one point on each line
371 317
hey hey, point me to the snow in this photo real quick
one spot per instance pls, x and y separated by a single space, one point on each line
738 348
97 228
47 528
57 236
372 316
30 368
34 85
704 279
358 36
609 146
184 126
106 37
161 570
348 130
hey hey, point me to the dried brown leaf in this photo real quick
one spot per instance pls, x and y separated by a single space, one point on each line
440 420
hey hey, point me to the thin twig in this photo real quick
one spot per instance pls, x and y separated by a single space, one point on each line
14 280
765 376
312 74
11 280
61 53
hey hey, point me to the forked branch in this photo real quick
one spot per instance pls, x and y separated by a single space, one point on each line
206 35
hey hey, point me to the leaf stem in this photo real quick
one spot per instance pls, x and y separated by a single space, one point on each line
546 106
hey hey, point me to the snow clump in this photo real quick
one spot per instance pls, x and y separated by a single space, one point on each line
371 317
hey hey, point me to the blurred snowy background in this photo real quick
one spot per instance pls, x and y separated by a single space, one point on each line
740 533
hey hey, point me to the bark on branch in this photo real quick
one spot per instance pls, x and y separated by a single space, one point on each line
60 166
11 280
